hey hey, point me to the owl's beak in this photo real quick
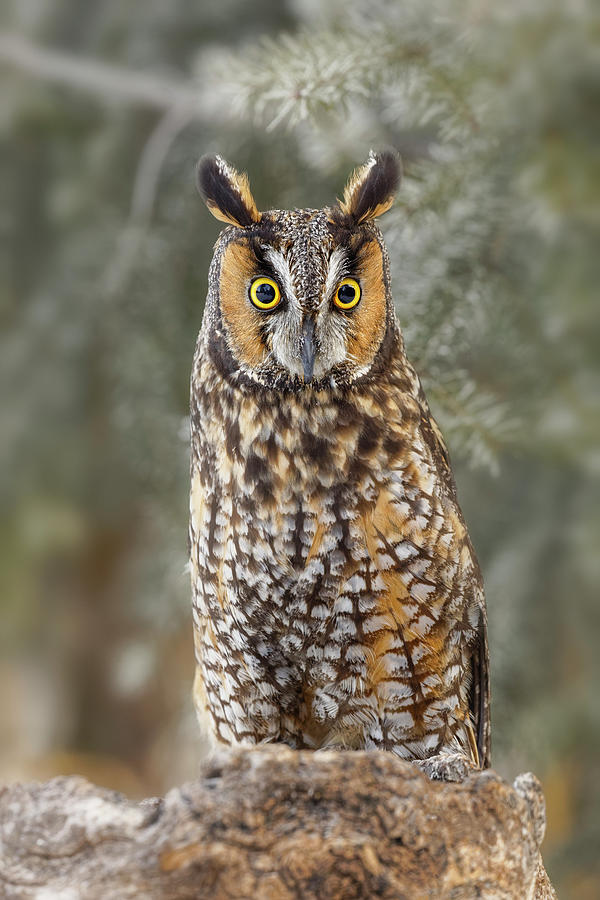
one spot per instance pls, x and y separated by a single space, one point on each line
308 352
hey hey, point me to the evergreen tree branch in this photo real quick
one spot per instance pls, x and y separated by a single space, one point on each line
108 82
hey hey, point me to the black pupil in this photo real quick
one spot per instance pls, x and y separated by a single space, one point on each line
346 293
265 292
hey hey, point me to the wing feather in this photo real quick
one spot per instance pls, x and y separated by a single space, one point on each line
480 694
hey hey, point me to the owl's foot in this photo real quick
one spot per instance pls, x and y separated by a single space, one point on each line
447 767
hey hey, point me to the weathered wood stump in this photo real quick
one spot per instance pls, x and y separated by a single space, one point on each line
275 823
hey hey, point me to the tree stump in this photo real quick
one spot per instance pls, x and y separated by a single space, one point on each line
273 823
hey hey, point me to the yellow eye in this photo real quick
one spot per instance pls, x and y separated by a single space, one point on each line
347 294
265 293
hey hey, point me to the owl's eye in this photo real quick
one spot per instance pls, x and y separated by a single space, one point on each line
347 294
265 293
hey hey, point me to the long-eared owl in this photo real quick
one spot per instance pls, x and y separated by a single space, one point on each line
337 600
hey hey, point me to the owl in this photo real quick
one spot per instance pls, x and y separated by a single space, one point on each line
337 600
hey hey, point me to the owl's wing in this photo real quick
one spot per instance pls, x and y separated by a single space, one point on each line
480 685
421 550
480 693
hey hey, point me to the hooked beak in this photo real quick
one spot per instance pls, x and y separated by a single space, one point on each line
308 352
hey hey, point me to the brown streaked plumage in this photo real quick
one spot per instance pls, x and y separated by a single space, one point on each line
337 599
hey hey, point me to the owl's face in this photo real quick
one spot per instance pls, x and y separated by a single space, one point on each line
300 297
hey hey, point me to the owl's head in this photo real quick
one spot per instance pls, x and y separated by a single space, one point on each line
303 296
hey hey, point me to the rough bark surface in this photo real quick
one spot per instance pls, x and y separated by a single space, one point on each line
274 823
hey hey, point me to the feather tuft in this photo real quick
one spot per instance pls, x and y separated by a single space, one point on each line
226 192
370 190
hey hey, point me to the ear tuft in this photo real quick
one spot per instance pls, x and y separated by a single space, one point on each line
370 190
226 192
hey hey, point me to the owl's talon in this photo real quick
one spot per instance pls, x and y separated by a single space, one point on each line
447 767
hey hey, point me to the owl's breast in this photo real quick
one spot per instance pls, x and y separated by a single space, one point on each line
332 573
278 490
272 496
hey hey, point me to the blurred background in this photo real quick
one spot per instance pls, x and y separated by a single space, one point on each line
105 107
